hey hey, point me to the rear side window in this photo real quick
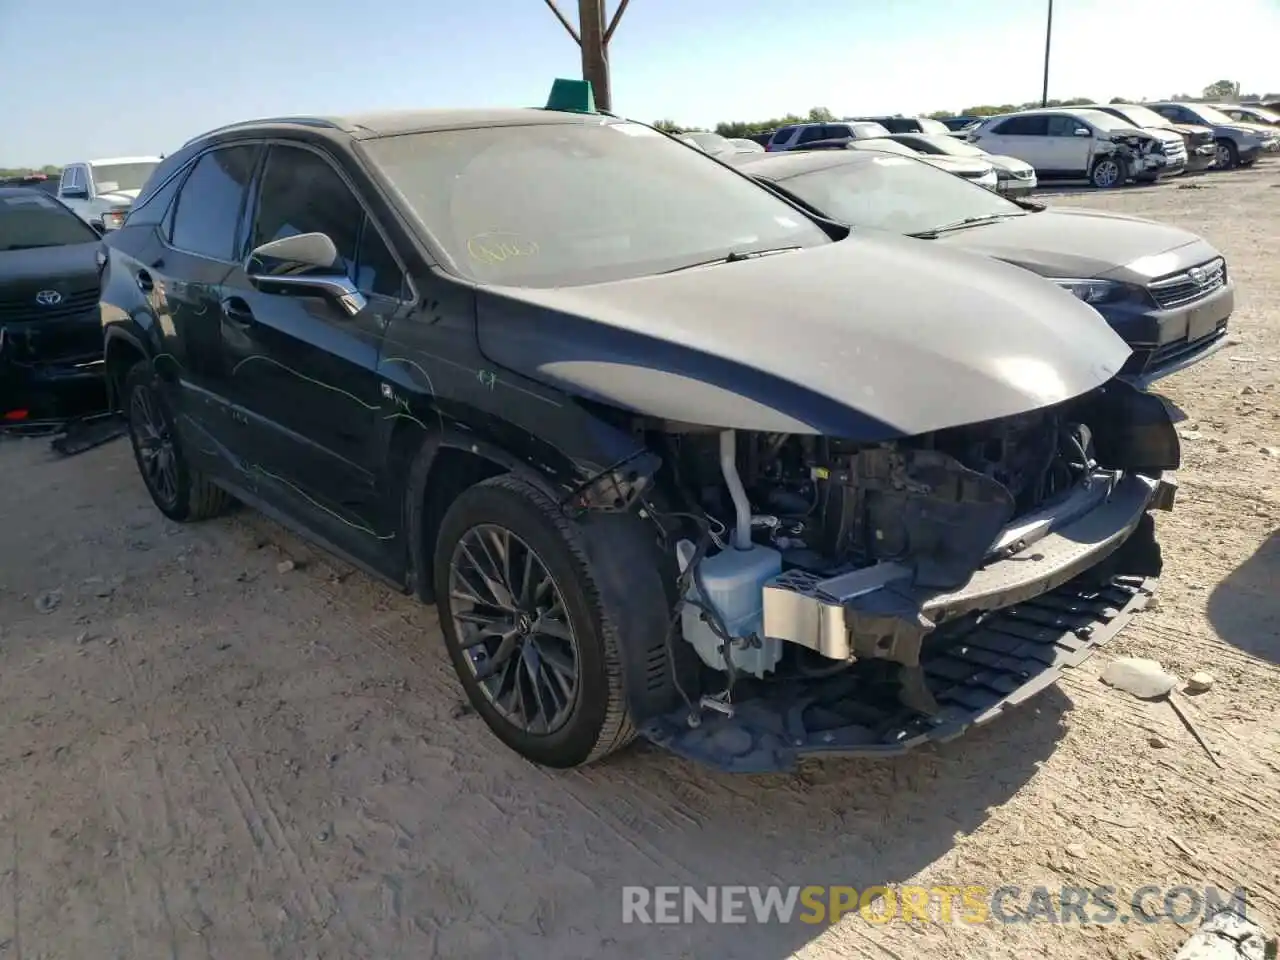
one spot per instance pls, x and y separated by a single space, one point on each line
810 134
1037 126
302 193
783 135
208 208
156 202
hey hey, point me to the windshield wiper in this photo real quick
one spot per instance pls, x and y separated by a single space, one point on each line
962 225
733 256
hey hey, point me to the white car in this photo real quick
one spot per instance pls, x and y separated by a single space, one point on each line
799 134
973 169
1015 178
1070 144
100 192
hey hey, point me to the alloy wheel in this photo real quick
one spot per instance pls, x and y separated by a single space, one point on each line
513 628
156 453
1107 173
1222 156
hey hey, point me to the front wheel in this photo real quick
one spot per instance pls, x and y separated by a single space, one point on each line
180 492
531 633
1226 156
1107 172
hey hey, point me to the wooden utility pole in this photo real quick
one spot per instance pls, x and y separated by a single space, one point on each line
593 36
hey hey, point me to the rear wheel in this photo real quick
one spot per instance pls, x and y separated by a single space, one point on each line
180 492
1226 156
530 632
1107 172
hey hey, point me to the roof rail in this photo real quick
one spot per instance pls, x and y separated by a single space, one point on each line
320 122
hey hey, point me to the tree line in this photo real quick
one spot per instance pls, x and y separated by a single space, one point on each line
1220 90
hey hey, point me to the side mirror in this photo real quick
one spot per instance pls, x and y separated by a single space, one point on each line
75 193
1083 132
304 265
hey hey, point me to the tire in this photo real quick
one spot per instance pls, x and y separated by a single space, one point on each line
185 495
1107 173
1227 156
594 719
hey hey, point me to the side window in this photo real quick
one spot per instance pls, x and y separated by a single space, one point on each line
376 270
73 177
810 134
301 192
782 136
1059 126
1035 126
208 207
156 204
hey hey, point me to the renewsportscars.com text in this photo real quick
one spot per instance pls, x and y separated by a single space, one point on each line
970 904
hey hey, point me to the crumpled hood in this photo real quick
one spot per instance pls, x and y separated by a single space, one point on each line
871 337
972 166
1065 242
1002 162
120 197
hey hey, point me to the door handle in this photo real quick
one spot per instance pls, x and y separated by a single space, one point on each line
145 283
238 312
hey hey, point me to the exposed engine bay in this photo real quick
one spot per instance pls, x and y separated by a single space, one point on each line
803 555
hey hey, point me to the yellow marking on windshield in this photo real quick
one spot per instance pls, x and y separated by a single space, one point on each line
499 246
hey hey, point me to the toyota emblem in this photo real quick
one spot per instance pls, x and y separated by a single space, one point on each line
48 298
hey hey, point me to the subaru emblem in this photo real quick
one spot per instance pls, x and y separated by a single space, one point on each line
48 298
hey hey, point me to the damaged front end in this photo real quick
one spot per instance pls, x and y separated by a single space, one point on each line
864 598
1141 156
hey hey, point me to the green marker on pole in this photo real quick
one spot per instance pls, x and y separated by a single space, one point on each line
571 96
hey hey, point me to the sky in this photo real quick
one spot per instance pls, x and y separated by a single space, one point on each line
81 80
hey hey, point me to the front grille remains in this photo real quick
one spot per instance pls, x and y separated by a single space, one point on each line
1190 285
26 308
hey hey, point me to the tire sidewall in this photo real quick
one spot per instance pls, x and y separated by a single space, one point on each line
1119 166
142 378
574 742
1232 155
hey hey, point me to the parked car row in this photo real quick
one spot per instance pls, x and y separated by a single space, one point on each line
755 455
1114 143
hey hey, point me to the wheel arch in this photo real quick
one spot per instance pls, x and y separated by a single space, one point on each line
121 350
626 558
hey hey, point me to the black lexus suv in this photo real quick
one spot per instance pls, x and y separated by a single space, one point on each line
672 456
51 364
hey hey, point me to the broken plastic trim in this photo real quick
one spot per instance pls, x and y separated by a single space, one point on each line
973 670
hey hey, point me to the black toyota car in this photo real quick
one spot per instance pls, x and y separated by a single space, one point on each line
673 457
51 361
1165 290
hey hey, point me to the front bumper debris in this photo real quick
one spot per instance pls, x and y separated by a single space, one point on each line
880 612
976 670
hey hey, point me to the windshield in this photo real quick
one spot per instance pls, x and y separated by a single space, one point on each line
35 220
929 125
895 193
1208 114
709 141
1104 121
557 204
125 176
1143 117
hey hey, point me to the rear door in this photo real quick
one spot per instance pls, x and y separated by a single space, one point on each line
179 264
303 372
1022 137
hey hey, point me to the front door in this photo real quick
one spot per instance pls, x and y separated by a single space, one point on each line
302 372
1066 152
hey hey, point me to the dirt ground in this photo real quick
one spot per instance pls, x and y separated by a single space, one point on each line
205 756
